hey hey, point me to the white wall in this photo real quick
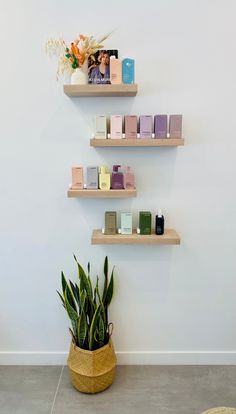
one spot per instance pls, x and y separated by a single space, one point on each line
172 304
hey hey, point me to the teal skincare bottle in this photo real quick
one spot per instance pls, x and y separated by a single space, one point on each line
128 71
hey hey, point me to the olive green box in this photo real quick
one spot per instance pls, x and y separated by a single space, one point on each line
145 222
110 222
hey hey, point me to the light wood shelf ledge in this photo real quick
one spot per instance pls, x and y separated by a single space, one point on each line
101 193
139 142
169 237
101 90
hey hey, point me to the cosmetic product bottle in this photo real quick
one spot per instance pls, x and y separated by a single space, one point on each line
117 178
160 126
116 126
128 71
115 71
92 178
145 222
126 223
131 126
159 223
104 178
77 178
110 222
175 126
129 180
101 127
145 126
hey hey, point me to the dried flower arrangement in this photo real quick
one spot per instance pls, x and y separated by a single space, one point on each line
70 58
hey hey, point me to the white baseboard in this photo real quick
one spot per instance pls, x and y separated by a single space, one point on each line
126 358
177 358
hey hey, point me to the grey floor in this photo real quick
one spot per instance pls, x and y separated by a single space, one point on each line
137 389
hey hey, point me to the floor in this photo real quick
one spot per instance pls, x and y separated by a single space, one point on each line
137 389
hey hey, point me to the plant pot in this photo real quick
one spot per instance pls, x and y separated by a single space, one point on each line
80 75
92 371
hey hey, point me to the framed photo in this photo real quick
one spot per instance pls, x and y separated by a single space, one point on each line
99 66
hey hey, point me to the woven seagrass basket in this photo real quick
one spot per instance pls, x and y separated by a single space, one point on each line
92 371
221 410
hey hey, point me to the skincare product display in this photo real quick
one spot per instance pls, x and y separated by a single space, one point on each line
148 127
126 223
100 178
104 67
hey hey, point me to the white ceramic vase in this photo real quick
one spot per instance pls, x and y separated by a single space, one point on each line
80 75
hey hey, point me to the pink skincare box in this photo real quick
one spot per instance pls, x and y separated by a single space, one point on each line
116 126
131 126
77 178
175 126
145 126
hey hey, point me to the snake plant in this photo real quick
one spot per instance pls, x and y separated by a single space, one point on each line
87 307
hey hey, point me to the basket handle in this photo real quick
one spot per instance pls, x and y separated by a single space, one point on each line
110 329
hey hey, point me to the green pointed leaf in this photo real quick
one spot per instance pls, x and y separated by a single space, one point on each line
82 329
72 313
75 293
101 331
93 328
63 283
95 297
85 282
90 287
97 291
74 329
105 278
110 290
73 336
70 298
62 299
82 300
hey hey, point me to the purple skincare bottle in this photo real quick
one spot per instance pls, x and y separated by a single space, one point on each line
117 178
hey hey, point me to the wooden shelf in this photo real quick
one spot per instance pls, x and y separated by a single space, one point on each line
139 142
101 90
102 193
170 237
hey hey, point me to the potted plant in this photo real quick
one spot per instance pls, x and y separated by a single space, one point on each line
91 359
